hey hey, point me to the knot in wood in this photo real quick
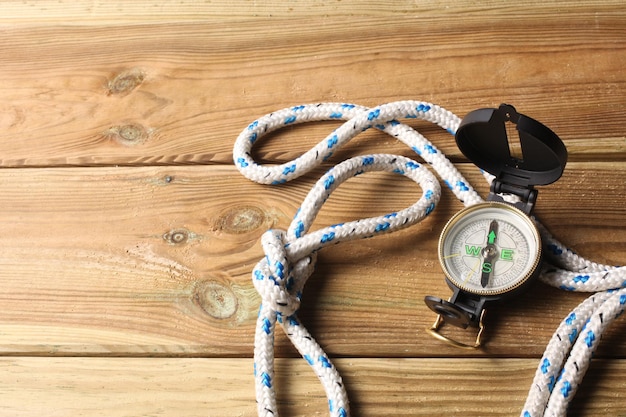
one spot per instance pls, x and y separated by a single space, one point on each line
241 219
125 82
129 134
177 236
217 299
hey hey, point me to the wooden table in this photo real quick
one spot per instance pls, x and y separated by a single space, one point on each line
128 236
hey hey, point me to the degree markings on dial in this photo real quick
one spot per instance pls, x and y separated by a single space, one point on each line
472 271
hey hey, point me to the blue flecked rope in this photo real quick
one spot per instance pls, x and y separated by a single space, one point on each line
290 255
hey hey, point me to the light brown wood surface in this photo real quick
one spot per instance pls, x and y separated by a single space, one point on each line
127 236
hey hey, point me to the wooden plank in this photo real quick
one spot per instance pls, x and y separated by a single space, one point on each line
169 93
85 11
157 261
224 387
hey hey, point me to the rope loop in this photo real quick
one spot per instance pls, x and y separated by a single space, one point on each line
290 258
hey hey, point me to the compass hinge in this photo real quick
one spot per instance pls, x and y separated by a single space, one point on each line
528 195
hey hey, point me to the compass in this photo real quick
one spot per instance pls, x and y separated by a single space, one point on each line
492 250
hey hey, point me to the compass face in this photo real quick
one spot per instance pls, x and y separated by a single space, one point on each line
489 249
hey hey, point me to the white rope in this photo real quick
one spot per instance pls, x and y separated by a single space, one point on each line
290 255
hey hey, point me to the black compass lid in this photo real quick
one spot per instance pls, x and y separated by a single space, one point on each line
482 137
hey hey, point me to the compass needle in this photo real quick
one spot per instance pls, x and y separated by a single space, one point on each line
490 252
493 230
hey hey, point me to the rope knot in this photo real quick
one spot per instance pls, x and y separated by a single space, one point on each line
277 278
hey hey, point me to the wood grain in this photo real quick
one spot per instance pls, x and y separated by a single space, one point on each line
128 237
148 261
110 94
107 12
222 387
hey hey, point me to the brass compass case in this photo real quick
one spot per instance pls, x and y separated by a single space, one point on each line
490 249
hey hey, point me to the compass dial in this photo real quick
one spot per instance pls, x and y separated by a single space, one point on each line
489 249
